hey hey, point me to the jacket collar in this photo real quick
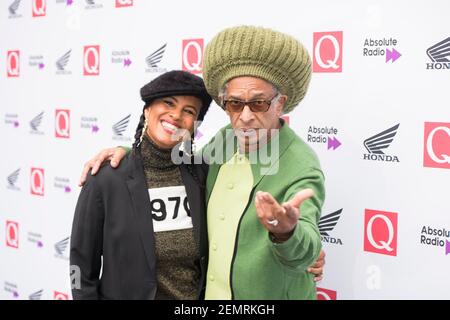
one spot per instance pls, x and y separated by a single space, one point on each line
260 167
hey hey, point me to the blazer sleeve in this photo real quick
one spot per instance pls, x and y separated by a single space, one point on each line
303 247
87 242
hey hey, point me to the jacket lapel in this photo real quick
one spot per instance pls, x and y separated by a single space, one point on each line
141 205
195 199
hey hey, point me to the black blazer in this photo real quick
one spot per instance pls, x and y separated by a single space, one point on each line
112 221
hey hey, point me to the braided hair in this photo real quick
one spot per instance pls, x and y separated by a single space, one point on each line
138 134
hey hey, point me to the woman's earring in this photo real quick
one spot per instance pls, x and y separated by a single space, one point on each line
182 147
193 147
144 130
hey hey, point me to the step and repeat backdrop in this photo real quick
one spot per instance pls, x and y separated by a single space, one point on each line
377 114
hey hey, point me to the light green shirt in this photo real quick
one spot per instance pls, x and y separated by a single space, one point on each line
227 203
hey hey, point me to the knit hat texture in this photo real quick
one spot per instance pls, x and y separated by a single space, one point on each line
259 52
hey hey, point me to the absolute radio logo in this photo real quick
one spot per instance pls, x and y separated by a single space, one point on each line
380 48
436 237
124 3
12 289
192 55
436 145
326 294
39 8
90 123
13 7
153 59
37 181
380 232
439 54
376 144
12 234
62 184
12 180
121 57
36 61
327 224
62 123
325 136
12 119
36 239
91 61
13 63
327 51
35 123
61 64
66 2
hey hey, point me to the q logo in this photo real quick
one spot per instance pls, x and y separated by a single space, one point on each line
91 64
37 181
60 296
38 8
62 123
193 55
325 294
327 51
380 232
12 68
124 3
436 153
12 234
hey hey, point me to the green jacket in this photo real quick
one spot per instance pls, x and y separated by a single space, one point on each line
262 269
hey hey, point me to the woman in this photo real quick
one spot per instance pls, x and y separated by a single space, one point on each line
143 224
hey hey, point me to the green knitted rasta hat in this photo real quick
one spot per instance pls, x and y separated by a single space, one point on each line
259 52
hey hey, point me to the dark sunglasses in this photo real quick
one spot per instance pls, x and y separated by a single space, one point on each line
258 105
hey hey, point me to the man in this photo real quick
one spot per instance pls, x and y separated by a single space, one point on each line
262 215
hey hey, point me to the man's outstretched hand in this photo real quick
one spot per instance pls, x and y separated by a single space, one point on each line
280 219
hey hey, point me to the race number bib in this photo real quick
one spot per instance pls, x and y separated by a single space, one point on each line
170 208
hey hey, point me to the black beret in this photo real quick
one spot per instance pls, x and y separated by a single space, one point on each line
177 83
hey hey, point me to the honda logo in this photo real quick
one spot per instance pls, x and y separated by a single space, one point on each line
436 152
37 181
62 123
380 232
193 55
12 234
13 59
327 55
91 60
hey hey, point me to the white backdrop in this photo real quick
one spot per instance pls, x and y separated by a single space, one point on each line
71 70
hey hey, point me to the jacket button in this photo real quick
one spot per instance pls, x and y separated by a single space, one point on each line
214 247
230 186
211 278
222 216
